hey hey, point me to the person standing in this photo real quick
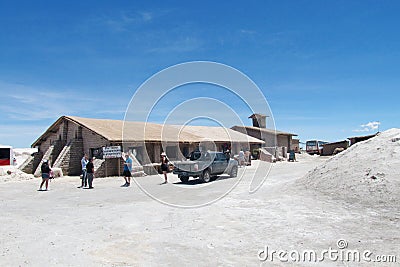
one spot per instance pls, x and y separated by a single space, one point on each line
227 155
241 158
90 173
164 166
247 155
84 162
45 169
127 171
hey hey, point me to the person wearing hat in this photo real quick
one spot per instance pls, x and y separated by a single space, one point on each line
164 166
45 169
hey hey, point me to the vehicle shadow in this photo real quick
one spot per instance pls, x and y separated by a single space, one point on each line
196 181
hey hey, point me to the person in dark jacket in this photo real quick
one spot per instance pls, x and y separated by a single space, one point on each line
45 169
90 173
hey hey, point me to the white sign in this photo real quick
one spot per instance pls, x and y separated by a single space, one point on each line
111 152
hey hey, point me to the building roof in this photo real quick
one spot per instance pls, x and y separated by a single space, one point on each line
362 137
219 134
118 131
337 142
258 115
264 130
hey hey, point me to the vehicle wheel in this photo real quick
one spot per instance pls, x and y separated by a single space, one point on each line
234 171
206 176
184 179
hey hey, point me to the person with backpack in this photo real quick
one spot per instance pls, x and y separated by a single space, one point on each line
45 169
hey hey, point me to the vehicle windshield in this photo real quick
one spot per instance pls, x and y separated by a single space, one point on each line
205 157
195 155
311 143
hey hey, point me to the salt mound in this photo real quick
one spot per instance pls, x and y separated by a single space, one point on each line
11 173
367 172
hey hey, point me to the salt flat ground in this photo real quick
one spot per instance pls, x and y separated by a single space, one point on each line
114 226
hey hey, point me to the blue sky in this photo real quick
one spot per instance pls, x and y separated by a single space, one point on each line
325 67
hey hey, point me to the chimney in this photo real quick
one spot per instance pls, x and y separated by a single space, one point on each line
259 120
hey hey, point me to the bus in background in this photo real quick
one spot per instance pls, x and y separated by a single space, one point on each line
315 147
6 156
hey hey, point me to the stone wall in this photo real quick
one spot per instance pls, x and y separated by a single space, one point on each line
75 156
92 140
58 145
109 167
37 158
284 140
63 159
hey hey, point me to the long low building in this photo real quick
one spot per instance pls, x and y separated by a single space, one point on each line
66 141
277 142
332 148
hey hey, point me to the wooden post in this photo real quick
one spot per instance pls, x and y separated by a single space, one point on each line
105 163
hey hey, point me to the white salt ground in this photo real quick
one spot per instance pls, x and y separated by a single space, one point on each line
120 226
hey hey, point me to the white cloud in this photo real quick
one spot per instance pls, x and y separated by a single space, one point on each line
146 16
127 20
374 125
370 126
250 32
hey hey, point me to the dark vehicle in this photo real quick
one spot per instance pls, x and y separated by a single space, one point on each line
205 165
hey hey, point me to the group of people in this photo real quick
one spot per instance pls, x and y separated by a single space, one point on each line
88 172
127 173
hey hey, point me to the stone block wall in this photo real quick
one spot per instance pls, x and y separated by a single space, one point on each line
37 158
75 156
92 140
58 146
108 167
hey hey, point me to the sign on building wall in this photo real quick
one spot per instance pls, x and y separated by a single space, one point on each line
111 152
